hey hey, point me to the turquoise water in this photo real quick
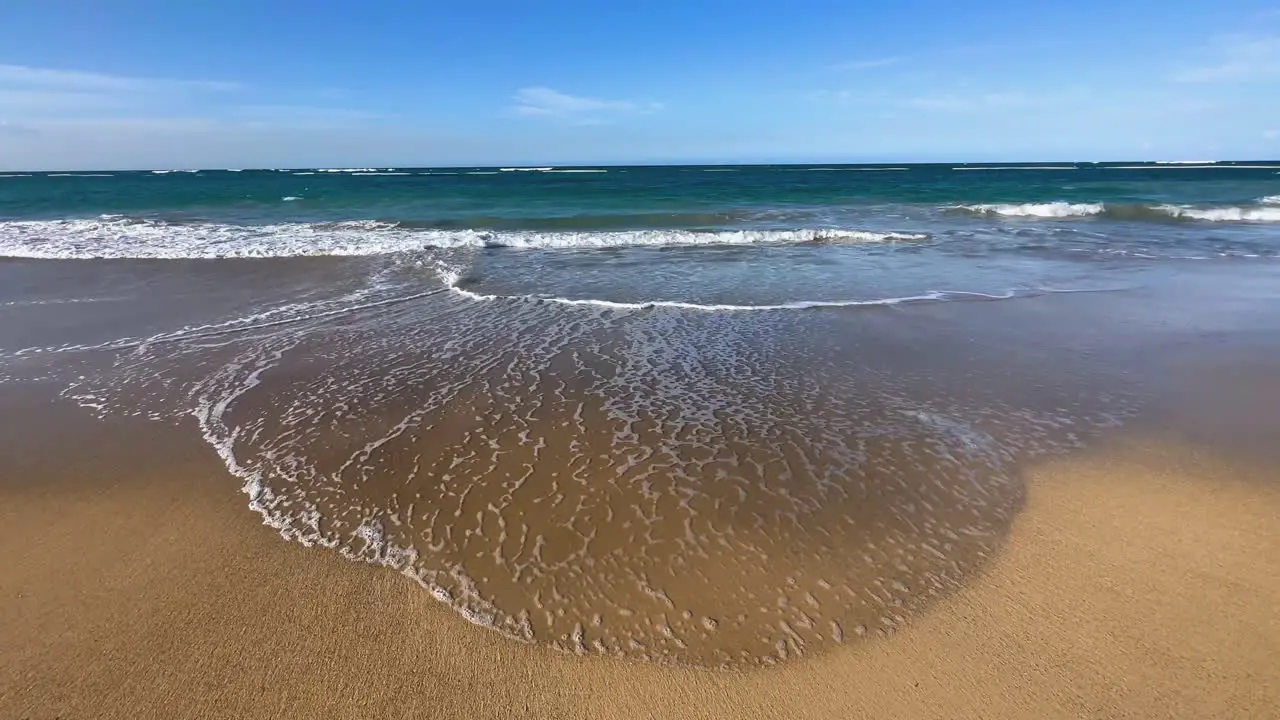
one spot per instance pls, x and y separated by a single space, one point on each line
783 234
617 197
882 198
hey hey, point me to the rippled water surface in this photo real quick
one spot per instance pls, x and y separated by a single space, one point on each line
723 419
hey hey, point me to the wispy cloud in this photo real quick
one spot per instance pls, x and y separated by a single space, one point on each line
867 64
831 96
41 94
8 128
548 103
978 101
975 101
22 76
1237 58
24 100
956 102
306 113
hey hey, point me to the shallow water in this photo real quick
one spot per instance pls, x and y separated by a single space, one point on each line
728 452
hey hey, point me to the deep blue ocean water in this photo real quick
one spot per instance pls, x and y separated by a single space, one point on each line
783 234
548 206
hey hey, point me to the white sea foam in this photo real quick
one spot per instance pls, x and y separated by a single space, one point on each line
304 173
578 170
1190 167
81 175
1038 210
58 301
681 364
1268 211
15 175
381 173
451 277
724 307
115 237
527 169
1267 214
1020 167
290 198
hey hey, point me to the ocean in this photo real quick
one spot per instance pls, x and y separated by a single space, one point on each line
719 416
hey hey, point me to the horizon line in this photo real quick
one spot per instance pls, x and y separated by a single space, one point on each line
1063 164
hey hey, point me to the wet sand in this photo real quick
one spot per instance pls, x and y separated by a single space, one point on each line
1140 580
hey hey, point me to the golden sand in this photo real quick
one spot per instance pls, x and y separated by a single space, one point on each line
1142 580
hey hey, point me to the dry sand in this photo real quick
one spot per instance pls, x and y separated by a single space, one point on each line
1142 580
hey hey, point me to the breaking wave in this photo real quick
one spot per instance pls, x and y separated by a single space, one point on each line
453 281
1222 214
121 237
1037 210
1266 211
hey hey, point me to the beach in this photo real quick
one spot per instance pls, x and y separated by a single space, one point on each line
1140 581
641 442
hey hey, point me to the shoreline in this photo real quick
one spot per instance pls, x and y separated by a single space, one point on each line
1138 581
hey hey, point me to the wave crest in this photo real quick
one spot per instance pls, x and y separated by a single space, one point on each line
122 237
1037 210
1267 211
453 279
1268 214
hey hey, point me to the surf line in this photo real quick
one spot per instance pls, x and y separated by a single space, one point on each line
303 318
180 336
933 296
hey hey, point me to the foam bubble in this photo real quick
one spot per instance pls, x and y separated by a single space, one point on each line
1037 210
452 278
712 488
1020 167
1222 214
117 237
1190 167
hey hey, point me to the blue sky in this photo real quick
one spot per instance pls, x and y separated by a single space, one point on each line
146 84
